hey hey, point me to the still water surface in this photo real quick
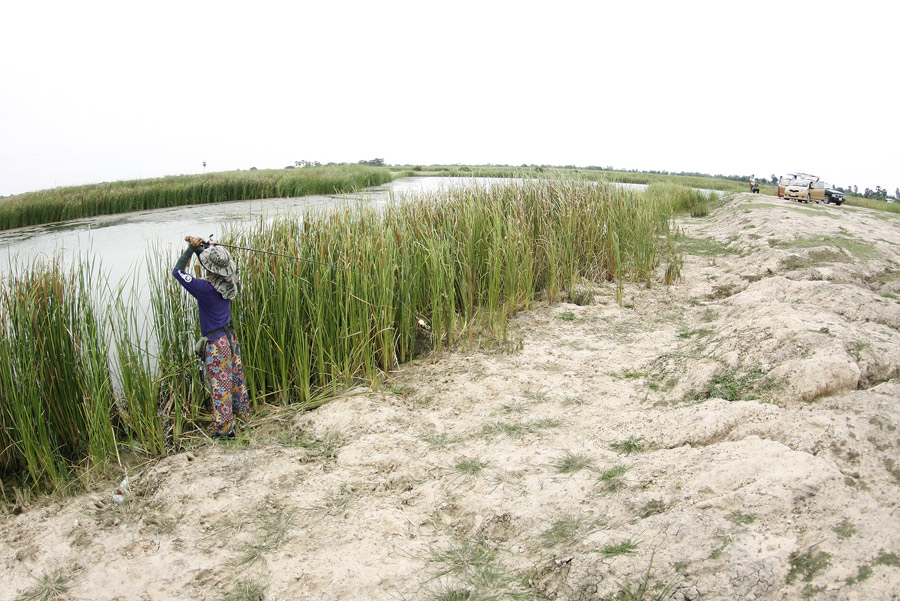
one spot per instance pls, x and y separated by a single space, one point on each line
123 242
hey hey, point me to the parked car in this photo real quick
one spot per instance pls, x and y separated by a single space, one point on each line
798 190
786 180
833 195
816 191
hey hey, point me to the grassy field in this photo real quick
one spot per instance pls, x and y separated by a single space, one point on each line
629 177
61 204
82 381
858 201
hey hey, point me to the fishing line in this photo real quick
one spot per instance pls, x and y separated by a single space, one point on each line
274 254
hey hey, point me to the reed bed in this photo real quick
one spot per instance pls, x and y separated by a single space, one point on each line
62 204
372 289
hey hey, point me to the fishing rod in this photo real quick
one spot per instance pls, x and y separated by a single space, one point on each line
274 254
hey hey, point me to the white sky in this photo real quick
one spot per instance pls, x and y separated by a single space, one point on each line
109 90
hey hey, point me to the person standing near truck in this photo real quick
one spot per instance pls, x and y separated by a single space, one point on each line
222 355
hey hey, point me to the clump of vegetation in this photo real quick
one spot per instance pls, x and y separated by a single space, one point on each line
741 519
625 547
472 571
845 529
807 564
652 507
730 387
49 587
581 296
632 444
247 590
573 462
565 530
470 467
271 527
644 589
611 479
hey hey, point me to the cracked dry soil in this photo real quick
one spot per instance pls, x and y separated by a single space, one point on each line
733 436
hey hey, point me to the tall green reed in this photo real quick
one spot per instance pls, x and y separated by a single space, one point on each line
54 376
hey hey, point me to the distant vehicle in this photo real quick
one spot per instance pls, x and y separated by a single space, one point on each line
786 180
833 195
813 191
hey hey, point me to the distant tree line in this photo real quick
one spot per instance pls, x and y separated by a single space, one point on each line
307 164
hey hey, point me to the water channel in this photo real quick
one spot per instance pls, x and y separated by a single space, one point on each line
122 242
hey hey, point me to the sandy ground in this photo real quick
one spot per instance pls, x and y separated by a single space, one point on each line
734 436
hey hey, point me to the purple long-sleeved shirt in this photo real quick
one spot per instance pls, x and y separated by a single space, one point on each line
215 311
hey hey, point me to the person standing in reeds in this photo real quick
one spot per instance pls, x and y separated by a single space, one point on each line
222 360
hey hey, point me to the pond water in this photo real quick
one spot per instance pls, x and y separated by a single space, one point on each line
123 242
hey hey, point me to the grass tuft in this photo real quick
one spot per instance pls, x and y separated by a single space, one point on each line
625 547
632 444
50 586
573 462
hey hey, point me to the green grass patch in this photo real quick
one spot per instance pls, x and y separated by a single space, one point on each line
632 444
565 530
625 547
705 247
807 564
472 571
246 590
869 203
652 507
573 462
470 467
698 332
49 586
741 519
857 248
729 386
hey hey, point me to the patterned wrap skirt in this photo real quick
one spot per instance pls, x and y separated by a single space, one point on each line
225 375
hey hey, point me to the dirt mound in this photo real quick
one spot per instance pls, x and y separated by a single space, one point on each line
734 436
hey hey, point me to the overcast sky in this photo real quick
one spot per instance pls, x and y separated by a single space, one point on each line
97 91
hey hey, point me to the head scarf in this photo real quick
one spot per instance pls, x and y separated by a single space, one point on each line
221 271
